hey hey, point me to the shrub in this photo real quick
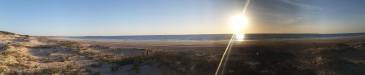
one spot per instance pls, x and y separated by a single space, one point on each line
7 33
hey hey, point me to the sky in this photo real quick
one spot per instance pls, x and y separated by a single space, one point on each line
167 17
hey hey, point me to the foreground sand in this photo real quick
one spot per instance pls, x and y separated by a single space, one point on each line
44 56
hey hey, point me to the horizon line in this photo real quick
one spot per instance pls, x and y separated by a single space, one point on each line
199 34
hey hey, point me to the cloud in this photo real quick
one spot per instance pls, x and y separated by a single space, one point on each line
304 5
283 12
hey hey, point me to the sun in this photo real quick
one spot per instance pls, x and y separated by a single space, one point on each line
238 25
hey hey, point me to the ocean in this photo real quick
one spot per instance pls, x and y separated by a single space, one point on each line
213 37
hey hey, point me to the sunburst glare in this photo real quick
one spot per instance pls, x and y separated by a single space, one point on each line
238 25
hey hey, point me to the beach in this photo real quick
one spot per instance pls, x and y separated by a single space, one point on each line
28 55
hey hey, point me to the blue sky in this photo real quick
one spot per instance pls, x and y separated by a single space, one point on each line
156 17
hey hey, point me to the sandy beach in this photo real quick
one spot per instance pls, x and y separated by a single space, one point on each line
182 37
27 55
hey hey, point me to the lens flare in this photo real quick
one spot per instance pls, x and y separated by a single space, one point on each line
239 23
